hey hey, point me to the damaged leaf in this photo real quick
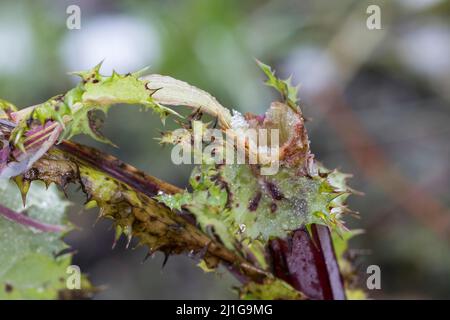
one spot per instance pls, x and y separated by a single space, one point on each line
135 214
227 198
230 213
30 264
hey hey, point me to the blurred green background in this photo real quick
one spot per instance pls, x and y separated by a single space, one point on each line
379 101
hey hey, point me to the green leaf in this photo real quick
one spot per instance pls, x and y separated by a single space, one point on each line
28 266
240 205
270 289
75 109
86 121
288 92
6 108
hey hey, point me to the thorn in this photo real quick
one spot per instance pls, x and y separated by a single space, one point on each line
65 251
114 74
98 66
197 115
309 230
86 74
216 122
311 236
128 241
154 91
150 254
116 238
24 186
127 230
258 62
117 235
166 258
96 220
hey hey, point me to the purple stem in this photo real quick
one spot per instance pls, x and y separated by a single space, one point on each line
309 264
114 167
29 222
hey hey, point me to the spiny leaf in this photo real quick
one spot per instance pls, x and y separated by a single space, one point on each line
227 198
29 265
85 121
288 92
137 215
238 210
74 110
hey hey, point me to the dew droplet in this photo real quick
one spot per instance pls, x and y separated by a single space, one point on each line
300 207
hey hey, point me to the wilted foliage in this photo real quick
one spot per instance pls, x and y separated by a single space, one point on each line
230 215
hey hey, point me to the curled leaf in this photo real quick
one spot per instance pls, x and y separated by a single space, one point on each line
170 91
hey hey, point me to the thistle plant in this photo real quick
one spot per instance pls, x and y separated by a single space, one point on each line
282 235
